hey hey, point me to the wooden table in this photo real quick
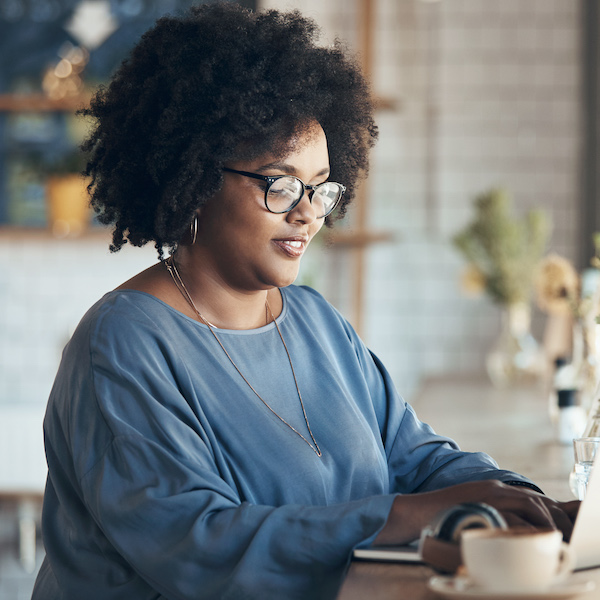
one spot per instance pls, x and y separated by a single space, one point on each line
513 426
378 581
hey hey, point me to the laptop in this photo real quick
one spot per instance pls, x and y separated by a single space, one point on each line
585 540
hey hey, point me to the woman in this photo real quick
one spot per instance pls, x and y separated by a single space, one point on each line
214 431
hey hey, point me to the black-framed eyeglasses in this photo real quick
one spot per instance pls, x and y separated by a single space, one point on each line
284 192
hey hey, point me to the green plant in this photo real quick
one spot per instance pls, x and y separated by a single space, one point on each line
505 250
45 164
69 162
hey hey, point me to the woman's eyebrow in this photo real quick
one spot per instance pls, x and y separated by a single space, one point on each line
287 168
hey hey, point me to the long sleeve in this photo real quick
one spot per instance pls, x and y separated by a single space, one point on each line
419 459
189 536
148 495
196 536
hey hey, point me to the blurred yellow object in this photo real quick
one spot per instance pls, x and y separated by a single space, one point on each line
472 281
557 286
68 204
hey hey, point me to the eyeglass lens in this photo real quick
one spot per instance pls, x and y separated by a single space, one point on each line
285 192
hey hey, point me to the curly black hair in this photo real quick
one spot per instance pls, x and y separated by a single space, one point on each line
217 84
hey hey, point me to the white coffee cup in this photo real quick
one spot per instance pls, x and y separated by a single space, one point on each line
515 559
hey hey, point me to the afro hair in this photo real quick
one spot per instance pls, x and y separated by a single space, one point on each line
217 84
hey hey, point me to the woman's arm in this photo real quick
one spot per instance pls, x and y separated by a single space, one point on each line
189 537
431 473
519 506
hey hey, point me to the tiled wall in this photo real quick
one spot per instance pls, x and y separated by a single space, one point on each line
487 95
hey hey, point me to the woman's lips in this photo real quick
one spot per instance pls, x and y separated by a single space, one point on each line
292 247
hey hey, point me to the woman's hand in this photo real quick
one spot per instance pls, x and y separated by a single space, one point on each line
518 505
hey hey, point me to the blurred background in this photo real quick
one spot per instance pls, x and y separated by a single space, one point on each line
472 96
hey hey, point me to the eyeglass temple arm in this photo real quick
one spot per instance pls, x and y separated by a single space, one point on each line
247 174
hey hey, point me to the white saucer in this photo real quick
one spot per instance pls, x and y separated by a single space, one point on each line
459 588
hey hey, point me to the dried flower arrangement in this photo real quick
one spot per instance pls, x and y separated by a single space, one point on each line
561 290
503 252
557 286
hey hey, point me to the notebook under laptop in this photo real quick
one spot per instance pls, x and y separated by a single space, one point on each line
585 540
409 553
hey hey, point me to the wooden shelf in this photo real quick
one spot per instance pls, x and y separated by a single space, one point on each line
360 238
387 103
22 495
17 234
40 103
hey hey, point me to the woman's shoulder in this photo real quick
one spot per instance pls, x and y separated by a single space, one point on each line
121 313
125 304
307 300
304 293
310 305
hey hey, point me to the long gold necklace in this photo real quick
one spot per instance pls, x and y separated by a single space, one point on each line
172 269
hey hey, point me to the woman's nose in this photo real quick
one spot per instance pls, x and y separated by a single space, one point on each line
304 211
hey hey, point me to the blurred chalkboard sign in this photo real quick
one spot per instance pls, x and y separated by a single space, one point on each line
33 128
32 31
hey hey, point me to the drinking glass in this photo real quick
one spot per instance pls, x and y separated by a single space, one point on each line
585 451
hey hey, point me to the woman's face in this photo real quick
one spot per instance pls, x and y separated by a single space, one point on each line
241 243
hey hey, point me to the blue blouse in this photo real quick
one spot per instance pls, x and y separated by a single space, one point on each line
169 478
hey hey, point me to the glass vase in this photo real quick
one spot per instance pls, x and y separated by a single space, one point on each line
589 371
515 358
592 430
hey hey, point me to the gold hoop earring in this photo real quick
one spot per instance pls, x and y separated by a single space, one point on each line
194 229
